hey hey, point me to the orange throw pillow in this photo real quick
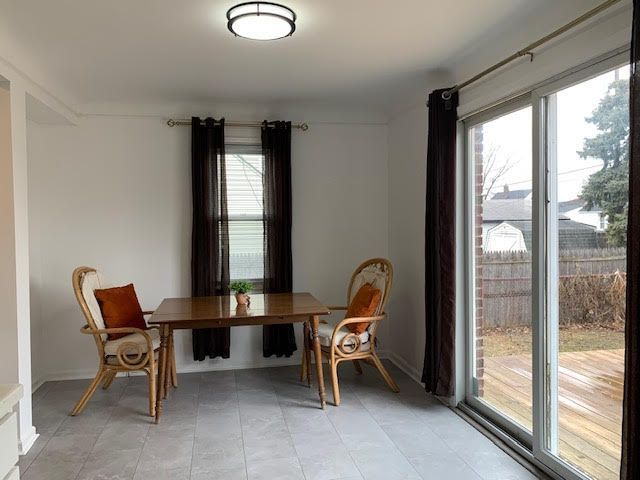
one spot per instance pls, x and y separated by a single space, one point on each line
120 308
364 304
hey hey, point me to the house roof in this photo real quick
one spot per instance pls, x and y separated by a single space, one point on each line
512 209
565 225
576 203
512 195
503 210
570 205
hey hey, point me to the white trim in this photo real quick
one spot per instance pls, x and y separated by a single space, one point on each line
462 260
584 72
15 75
403 365
511 105
26 441
193 367
37 383
538 271
552 276
610 57
416 376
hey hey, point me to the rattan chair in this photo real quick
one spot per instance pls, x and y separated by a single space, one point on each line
136 351
339 344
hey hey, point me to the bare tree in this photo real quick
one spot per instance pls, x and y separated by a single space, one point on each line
493 171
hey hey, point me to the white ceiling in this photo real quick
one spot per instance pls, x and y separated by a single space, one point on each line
350 51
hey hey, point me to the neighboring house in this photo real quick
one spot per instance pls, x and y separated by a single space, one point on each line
506 226
577 210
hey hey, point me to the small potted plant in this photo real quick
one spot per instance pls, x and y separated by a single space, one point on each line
241 288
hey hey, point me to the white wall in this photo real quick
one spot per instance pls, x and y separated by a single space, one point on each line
408 152
407 180
8 344
114 192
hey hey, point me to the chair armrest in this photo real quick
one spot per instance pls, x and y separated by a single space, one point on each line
348 321
128 330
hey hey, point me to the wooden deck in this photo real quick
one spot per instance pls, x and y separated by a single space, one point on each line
590 410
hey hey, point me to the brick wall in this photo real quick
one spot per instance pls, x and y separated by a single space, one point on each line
477 236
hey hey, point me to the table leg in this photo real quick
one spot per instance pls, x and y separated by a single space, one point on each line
172 362
162 368
168 364
303 364
317 353
307 352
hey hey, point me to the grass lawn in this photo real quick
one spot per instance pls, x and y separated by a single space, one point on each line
517 340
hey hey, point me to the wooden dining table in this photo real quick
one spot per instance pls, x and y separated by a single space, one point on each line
223 311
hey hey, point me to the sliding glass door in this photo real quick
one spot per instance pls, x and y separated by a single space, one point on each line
547 195
587 184
499 147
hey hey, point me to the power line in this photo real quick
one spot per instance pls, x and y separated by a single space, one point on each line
559 173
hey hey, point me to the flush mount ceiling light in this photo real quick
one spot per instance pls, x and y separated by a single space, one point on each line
261 20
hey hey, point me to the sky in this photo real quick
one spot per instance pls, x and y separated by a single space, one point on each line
509 138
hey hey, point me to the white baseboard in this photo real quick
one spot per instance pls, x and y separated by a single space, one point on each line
403 365
415 374
27 440
192 367
37 383
201 367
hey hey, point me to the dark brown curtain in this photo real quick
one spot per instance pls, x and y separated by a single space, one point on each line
210 230
439 369
630 465
277 340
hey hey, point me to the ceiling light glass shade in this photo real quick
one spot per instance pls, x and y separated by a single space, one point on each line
261 20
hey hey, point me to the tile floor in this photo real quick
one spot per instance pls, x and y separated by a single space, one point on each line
259 424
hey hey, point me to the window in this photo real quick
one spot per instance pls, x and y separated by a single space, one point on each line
547 192
603 222
244 171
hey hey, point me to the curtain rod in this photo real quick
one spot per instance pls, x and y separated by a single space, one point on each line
446 95
173 123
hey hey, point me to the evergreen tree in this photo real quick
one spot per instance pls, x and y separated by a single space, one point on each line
609 187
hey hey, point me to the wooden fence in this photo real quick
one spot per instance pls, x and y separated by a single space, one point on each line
589 277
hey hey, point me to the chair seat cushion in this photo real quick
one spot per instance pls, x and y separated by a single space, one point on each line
111 346
325 331
120 308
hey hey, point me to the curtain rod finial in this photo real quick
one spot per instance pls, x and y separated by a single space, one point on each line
171 122
304 127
